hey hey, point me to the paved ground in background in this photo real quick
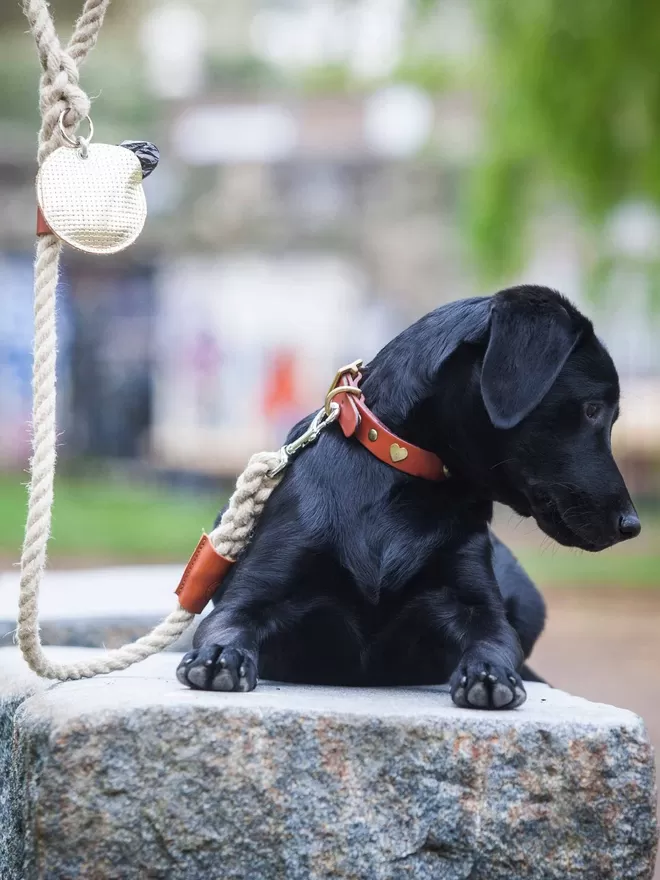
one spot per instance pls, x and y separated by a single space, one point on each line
605 646
132 590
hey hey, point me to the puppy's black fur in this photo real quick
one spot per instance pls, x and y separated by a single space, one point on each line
358 574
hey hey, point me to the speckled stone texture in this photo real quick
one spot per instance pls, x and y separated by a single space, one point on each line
132 776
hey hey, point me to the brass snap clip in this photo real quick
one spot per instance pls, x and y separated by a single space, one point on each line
321 420
318 423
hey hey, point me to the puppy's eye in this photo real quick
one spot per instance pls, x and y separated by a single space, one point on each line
592 411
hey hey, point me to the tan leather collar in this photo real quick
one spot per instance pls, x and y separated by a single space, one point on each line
357 420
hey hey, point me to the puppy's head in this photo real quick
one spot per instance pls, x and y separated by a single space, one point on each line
551 394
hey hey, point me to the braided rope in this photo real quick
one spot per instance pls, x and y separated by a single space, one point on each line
253 489
59 91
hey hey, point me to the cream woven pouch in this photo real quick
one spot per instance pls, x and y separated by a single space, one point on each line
94 203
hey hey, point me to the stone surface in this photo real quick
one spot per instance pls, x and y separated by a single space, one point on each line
96 608
132 776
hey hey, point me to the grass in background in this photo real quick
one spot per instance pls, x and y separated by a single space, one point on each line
631 564
104 521
101 520
610 568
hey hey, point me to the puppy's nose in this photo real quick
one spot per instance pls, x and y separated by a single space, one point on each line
629 526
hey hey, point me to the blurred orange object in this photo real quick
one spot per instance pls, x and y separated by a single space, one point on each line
280 393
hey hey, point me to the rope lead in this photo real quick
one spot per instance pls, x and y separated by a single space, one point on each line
60 93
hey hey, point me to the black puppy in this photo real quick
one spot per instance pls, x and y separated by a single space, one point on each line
358 574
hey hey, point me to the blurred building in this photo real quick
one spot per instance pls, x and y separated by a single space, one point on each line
295 223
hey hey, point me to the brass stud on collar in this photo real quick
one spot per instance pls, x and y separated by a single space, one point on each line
373 435
446 472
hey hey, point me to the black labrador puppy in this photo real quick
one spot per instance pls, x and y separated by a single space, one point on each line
358 574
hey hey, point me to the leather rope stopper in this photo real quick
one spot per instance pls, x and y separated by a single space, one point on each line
42 224
202 577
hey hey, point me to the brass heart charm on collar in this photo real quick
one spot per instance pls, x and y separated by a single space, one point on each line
398 453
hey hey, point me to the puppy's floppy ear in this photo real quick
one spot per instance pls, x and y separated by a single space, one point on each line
530 340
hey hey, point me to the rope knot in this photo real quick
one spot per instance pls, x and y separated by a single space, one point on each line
63 89
59 90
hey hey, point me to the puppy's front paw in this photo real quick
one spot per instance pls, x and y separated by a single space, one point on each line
214 668
478 684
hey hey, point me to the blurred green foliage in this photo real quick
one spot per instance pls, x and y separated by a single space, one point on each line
110 77
114 75
571 94
427 72
242 72
19 75
328 79
11 13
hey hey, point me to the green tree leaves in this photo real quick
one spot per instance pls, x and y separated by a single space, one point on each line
571 91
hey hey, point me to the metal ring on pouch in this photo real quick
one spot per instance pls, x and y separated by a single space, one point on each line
79 140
